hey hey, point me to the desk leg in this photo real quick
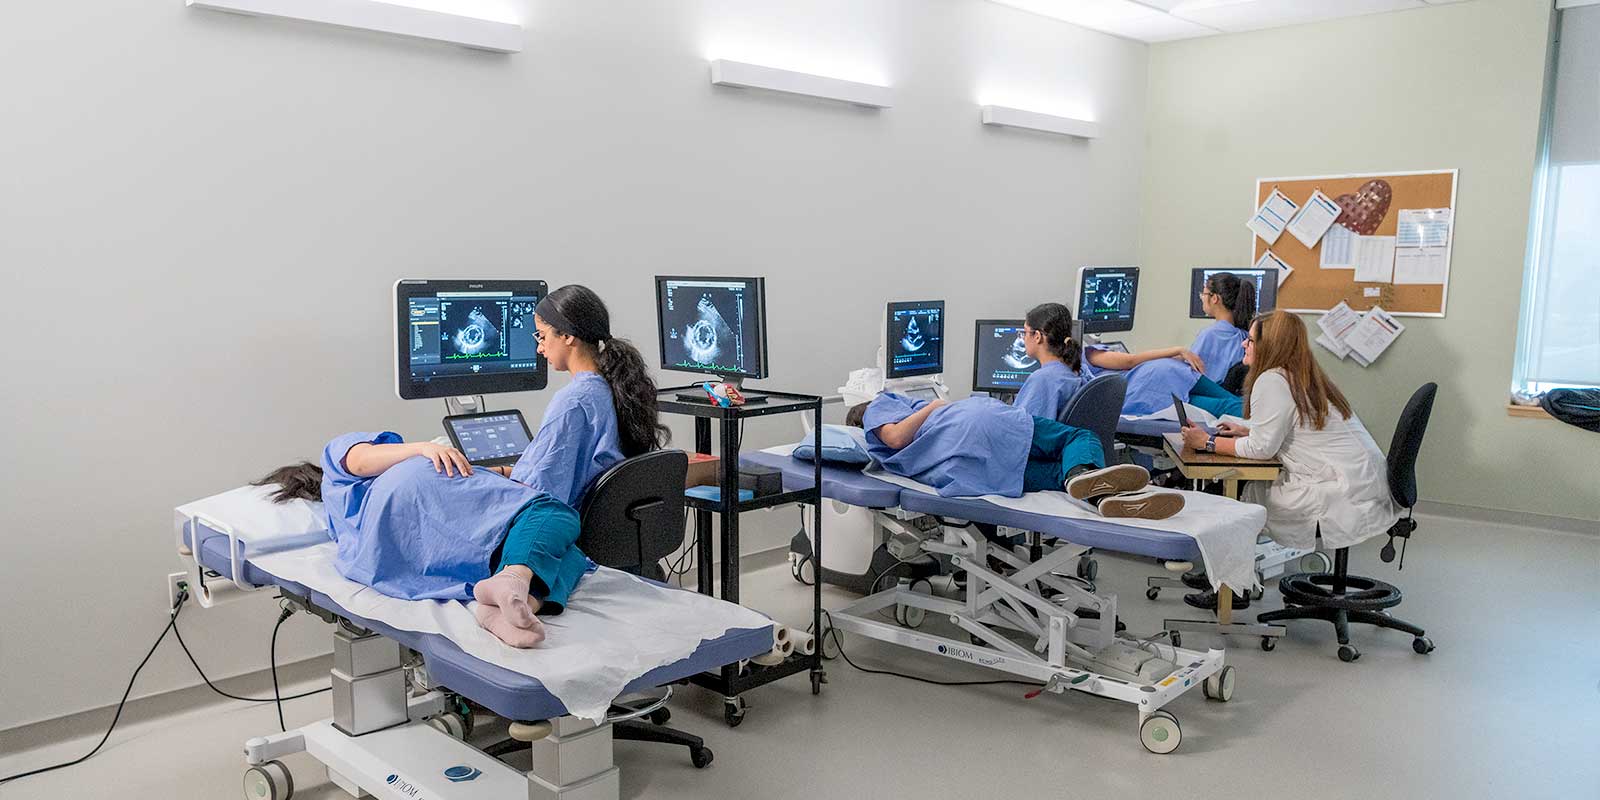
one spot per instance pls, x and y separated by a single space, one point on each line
1230 488
1225 605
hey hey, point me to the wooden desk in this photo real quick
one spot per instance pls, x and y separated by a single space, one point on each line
1197 465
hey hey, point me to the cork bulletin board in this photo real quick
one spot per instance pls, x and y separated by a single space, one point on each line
1371 206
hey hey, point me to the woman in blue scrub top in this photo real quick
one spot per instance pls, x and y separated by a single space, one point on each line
1047 337
981 446
1231 302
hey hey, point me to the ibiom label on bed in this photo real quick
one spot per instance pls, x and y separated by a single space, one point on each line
967 655
403 786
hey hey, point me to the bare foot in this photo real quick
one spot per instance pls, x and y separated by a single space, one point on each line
495 622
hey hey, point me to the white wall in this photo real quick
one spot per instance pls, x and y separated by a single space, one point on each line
1457 86
201 215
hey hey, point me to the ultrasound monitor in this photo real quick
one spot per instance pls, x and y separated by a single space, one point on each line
914 337
713 325
457 337
1266 287
1106 298
1000 361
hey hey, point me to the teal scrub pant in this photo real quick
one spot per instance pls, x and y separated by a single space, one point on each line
543 537
1213 398
1056 450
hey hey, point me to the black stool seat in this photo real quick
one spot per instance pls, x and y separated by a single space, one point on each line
1319 588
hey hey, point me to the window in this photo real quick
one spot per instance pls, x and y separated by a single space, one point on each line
1558 338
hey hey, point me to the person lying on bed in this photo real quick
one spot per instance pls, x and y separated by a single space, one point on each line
982 446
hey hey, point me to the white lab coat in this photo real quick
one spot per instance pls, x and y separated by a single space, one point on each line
1335 477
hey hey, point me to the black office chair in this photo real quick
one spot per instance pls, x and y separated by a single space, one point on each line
1097 407
1342 598
632 517
1233 382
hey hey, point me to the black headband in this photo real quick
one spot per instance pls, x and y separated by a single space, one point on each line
547 311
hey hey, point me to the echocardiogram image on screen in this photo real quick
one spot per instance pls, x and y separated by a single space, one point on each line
1106 298
1266 287
456 337
711 325
1000 358
915 339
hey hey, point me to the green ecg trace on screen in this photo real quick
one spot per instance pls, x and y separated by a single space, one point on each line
474 355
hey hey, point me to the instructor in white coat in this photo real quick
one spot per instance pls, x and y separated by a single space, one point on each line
1333 478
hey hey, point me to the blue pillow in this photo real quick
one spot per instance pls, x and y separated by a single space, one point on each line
841 444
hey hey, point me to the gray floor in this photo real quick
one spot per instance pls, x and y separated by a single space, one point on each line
1508 706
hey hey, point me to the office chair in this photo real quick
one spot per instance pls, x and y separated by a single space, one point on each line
1097 407
632 517
1342 598
1233 382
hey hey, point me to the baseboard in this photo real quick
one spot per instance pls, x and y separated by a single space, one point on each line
1522 519
295 677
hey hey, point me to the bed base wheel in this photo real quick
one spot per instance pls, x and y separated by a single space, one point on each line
1088 569
733 710
1219 686
804 570
1160 733
452 724
269 781
1152 593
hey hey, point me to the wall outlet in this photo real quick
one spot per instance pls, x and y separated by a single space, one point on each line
176 581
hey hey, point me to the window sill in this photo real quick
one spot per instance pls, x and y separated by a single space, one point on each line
1530 412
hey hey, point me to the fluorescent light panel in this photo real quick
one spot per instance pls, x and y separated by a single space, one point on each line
418 23
755 76
1033 120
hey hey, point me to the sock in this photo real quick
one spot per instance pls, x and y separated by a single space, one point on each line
1078 470
495 622
509 593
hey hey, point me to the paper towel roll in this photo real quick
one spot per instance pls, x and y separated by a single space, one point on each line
780 651
804 644
216 592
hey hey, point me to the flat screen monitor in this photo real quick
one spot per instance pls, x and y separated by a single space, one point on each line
713 325
455 337
1106 298
1266 287
1000 361
914 339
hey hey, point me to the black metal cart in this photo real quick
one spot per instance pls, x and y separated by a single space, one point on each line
732 682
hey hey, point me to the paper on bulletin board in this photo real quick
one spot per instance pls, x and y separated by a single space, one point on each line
1374 259
1338 321
1314 218
1334 346
1273 215
1339 248
1373 334
1420 264
1270 260
1423 227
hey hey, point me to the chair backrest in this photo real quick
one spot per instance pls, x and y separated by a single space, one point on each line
1407 443
1097 407
1233 382
632 515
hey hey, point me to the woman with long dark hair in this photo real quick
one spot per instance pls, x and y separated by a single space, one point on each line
1047 338
1231 302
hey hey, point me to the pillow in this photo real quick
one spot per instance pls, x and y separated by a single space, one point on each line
841 444
258 522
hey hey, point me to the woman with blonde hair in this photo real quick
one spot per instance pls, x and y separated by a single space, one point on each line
1333 480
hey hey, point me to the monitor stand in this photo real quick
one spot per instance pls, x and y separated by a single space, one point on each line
464 404
750 398
922 387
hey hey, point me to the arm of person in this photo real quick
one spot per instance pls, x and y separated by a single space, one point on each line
1110 359
367 459
1272 417
899 434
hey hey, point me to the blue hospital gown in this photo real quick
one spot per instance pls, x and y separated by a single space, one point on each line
1152 384
973 447
576 441
1048 390
1220 346
411 532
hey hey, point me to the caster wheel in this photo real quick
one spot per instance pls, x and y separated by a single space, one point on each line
1120 626
1088 569
976 642
733 712
1152 593
1219 686
1422 645
660 716
816 683
1160 734
1269 643
804 571
269 781
1316 562
701 757
1258 593
831 639
1176 638
1348 654
450 724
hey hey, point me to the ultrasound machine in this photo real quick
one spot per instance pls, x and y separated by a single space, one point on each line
1000 360
911 353
1106 297
713 325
